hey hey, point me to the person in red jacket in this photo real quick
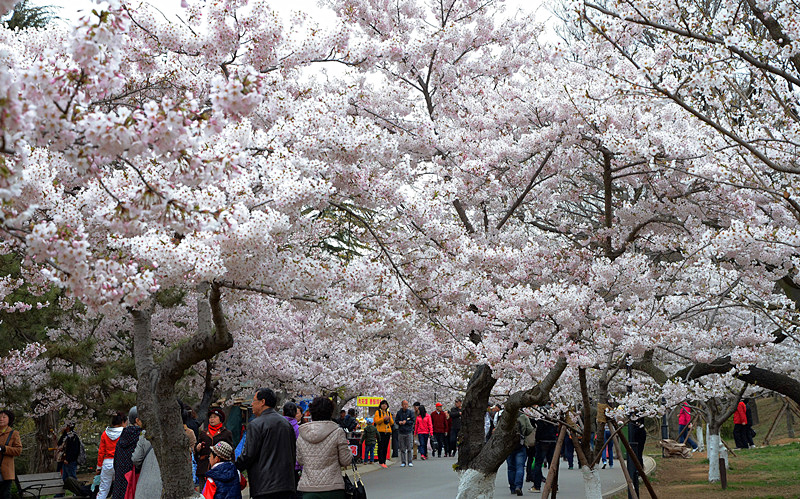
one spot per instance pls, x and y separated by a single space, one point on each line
441 427
105 455
740 426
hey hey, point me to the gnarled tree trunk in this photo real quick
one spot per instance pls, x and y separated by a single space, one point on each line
44 460
479 460
156 395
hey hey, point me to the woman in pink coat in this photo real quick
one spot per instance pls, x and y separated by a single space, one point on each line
423 428
685 426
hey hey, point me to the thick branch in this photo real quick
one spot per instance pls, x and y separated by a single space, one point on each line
203 345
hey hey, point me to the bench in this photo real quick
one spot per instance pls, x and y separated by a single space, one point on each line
40 485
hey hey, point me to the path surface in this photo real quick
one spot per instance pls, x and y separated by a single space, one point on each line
436 478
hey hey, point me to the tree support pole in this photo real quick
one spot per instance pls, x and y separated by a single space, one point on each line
775 422
551 473
636 463
631 486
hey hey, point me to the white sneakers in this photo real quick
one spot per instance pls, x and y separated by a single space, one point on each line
411 464
402 465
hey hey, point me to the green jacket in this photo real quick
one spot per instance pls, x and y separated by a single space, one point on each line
370 435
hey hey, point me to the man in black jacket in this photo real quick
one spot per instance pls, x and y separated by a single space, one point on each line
546 436
269 452
70 445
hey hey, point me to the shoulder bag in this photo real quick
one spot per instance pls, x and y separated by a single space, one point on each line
354 490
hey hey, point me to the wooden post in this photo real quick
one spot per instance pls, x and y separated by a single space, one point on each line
790 424
775 423
723 473
548 485
554 493
638 465
728 447
628 479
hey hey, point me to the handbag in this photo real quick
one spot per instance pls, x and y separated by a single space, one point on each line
354 490
530 439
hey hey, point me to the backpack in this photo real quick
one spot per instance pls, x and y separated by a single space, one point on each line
81 453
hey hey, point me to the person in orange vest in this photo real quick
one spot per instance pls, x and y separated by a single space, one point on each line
383 422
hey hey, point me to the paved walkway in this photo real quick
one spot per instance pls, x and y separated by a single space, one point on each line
436 478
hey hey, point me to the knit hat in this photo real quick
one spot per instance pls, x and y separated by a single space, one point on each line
219 412
223 450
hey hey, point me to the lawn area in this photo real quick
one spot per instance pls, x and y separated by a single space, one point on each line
764 473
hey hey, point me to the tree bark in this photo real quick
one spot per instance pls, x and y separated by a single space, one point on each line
479 460
44 460
156 395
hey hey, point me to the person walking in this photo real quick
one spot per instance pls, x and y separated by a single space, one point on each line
290 412
370 438
144 460
70 445
322 450
383 423
269 453
10 447
685 426
749 432
423 428
213 433
546 436
405 433
441 425
740 426
416 442
455 427
515 462
222 478
123 462
105 454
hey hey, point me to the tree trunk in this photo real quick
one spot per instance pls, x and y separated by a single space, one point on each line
156 396
479 460
591 483
714 445
44 460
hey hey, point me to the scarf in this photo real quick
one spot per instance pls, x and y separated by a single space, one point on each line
214 429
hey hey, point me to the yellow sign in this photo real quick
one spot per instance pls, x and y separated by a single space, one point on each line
368 401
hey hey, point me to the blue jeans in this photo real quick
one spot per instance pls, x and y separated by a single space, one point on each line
423 444
608 449
683 436
516 468
369 453
69 470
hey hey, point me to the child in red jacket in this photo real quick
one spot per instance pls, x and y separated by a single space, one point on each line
105 455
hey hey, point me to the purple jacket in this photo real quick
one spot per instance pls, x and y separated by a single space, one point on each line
292 421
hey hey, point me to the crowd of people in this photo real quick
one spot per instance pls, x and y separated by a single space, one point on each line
414 430
295 454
